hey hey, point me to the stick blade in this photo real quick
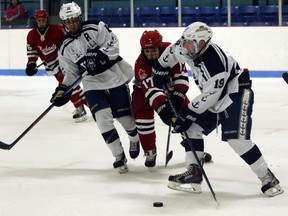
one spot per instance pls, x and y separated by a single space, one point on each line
285 77
5 146
168 157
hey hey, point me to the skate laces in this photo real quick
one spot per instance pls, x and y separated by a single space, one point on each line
187 173
78 110
192 171
134 146
120 161
150 155
269 178
119 157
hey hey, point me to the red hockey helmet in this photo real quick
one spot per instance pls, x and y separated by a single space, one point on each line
41 13
150 39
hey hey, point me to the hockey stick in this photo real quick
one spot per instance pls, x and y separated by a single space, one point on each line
169 155
165 88
285 77
51 57
9 146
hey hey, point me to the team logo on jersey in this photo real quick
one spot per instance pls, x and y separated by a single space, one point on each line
91 64
195 104
75 54
142 74
204 99
47 50
166 58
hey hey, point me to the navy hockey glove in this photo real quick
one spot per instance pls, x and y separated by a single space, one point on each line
31 68
165 113
178 99
160 75
96 62
58 98
184 120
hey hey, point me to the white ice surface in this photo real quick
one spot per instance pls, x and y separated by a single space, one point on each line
62 168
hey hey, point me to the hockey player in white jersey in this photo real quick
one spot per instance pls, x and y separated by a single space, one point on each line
91 46
226 98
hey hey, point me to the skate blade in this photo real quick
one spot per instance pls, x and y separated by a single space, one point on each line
133 155
81 119
123 169
188 187
274 191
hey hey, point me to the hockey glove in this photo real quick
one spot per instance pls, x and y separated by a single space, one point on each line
165 113
58 97
184 120
160 75
96 62
178 99
31 68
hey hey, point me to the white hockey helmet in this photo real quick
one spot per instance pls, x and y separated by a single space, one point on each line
69 11
198 31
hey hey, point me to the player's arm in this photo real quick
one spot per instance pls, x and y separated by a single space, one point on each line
58 98
180 82
211 93
162 66
106 54
108 41
157 100
32 54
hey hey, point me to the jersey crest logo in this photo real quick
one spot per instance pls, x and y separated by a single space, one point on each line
165 58
75 54
142 74
48 50
195 104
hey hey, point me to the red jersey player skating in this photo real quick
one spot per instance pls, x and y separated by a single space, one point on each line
43 42
146 97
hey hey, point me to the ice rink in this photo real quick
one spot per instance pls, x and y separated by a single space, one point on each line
62 168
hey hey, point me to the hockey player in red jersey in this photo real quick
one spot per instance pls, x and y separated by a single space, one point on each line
146 97
43 42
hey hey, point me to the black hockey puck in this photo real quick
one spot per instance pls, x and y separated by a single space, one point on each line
158 204
207 157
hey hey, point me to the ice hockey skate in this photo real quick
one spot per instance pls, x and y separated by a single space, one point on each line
270 185
189 181
79 115
150 157
120 163
134 149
